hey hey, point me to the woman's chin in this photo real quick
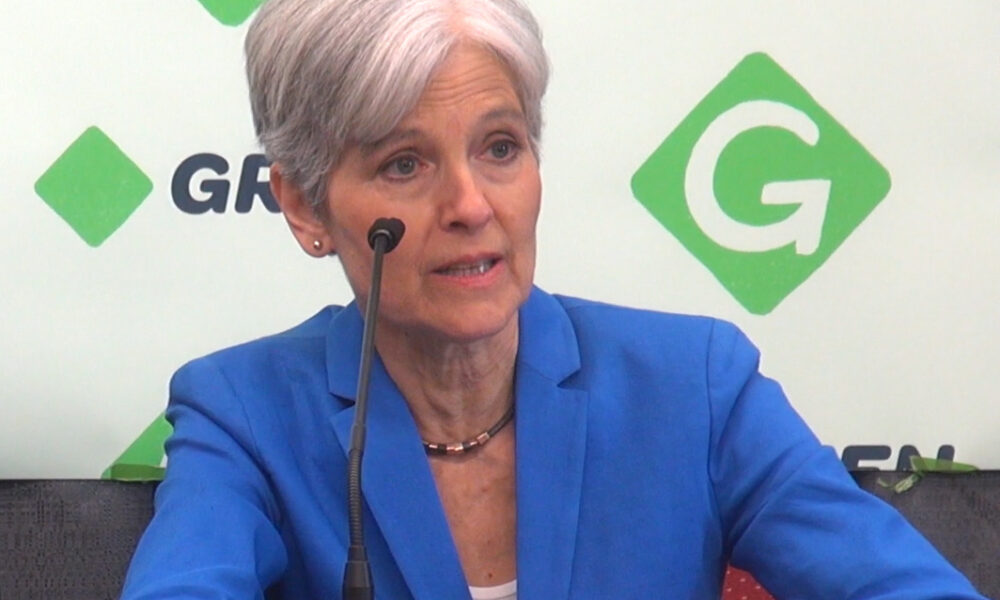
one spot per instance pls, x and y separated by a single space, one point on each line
478 328
462 326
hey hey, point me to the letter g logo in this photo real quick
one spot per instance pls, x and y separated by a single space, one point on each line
760 183
803 227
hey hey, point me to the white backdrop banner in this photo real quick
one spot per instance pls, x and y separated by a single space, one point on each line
826 175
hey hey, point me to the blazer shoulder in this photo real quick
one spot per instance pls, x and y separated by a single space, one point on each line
620 322
692 346
312 330
301 347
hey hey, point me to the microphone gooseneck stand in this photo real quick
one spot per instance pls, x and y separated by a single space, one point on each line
383 236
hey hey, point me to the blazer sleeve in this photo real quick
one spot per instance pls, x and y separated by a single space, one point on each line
214 533
794 517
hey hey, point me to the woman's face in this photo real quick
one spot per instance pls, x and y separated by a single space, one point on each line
460 173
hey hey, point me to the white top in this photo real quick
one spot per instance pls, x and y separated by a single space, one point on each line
504 591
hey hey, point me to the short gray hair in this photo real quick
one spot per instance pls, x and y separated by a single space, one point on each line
327 73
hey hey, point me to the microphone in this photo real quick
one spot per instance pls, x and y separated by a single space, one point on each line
383 236
390 229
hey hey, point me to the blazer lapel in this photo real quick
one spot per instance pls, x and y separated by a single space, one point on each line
396 479
551 446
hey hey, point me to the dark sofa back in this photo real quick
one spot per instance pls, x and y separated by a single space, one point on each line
72 539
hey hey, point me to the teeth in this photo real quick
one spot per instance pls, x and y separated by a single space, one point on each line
469 270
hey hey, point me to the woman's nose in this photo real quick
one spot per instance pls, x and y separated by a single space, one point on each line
465 205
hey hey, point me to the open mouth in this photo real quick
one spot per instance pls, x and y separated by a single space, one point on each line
472 269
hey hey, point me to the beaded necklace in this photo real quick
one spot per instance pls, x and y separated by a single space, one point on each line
475 442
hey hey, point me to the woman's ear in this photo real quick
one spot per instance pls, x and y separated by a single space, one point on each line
307 227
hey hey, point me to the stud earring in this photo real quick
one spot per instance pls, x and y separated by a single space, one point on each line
317 245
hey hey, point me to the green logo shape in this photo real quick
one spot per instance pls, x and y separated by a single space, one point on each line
231 12
94 186
142 460
760 183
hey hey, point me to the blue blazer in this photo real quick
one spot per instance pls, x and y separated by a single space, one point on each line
650 452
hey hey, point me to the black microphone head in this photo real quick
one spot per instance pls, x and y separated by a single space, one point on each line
391 228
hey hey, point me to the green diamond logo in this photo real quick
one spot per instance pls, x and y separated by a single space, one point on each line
760 183
231 12
93 186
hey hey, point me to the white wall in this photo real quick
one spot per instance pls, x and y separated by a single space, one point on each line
893 340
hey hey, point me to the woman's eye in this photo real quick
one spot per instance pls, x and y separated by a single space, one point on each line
401 167
502 149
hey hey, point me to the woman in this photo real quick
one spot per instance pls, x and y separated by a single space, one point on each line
646 450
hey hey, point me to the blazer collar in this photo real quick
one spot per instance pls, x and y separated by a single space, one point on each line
343 351
399 487
547 339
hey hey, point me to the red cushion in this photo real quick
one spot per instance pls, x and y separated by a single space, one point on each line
740 585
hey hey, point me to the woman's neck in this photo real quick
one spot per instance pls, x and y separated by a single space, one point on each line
455 390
